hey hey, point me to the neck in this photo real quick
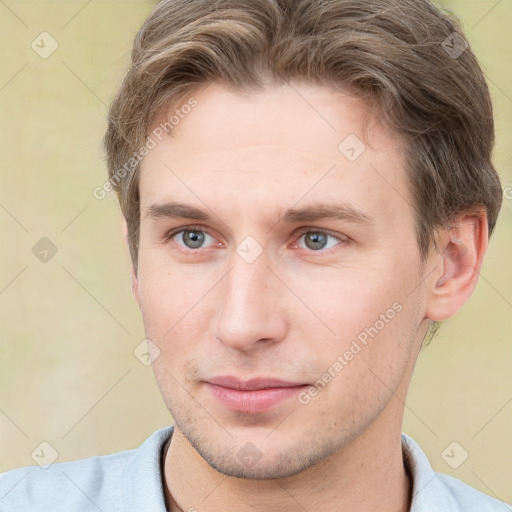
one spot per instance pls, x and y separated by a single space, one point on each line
367 475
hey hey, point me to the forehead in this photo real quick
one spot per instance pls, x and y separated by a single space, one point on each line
299 116
275 145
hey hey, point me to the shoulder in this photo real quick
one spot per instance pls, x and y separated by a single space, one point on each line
443 493
92 484
468 498
84 485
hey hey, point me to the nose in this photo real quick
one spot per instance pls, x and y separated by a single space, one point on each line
250 313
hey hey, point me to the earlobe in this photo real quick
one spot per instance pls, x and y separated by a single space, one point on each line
462 249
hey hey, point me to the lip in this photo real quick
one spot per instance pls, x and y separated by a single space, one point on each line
252 384
253 396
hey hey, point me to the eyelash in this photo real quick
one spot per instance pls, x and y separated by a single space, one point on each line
171 234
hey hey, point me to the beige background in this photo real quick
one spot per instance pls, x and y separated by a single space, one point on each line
69 326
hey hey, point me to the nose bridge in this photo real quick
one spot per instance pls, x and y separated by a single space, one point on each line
249 303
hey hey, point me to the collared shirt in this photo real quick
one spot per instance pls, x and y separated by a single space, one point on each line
131 481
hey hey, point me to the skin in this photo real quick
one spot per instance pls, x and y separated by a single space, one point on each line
245 159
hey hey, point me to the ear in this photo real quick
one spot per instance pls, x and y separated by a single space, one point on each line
462 249
134 280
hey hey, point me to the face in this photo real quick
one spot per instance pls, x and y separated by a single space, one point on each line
277 241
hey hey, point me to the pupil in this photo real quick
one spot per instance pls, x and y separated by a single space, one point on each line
193 239
316 238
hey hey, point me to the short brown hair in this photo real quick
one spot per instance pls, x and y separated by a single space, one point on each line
405 57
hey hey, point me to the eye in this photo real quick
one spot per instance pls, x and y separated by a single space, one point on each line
189 238
194 238
317 240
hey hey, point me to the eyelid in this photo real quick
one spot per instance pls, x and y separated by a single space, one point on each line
314 229
171 233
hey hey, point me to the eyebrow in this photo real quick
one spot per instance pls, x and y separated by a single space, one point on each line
315 212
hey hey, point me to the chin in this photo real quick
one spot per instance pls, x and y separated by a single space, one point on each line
268 457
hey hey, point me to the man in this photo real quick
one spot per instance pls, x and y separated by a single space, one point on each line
307 191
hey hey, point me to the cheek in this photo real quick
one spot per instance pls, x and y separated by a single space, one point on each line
369 321
172 305
350 300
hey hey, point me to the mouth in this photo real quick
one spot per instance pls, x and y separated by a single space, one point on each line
253 396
